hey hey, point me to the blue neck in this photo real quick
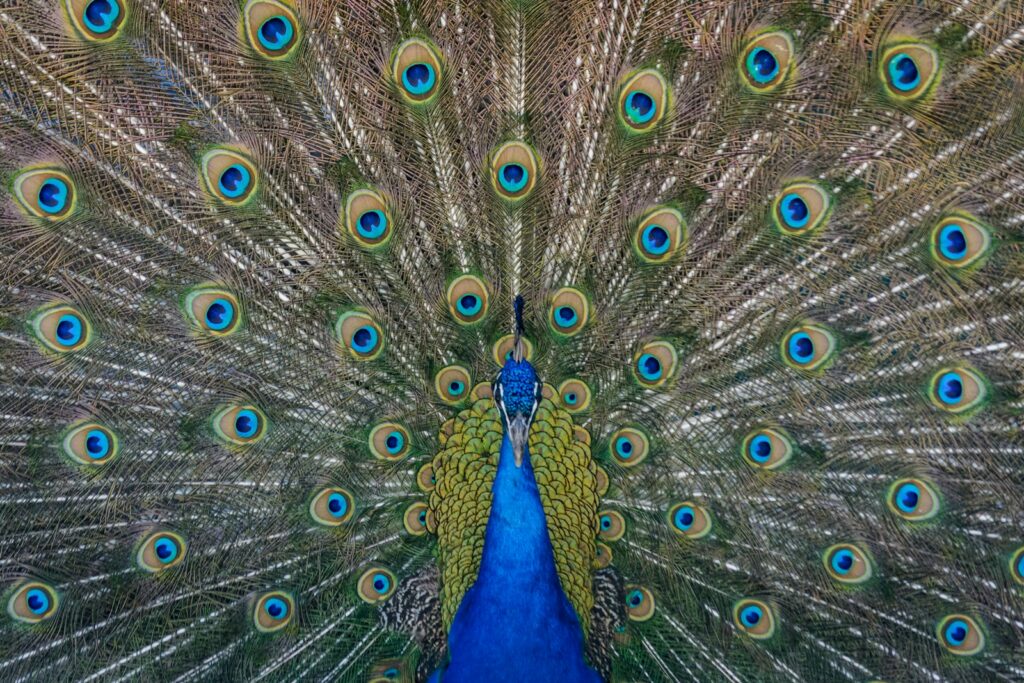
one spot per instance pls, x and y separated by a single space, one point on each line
515 624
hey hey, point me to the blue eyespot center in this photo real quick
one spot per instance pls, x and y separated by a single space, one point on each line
69 329
100 15
276 32
903 72
53 195
762 65
364 339
751 615
246 423
624 447
606 522
38 601
97 444
337 504
953 242
842 561
565 316
422 517
219 314
394 442
640 107
649 367
761 448
907 497
234 181
684 518
951 388
469 304
456 387
956 632
276 608
419 78
166 550
656 240
801 348
571 398
381 583
513 177
372 224
794 211
635 598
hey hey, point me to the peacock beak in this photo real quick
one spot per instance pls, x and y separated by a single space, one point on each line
518 434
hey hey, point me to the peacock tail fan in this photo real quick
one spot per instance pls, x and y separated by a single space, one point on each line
263 376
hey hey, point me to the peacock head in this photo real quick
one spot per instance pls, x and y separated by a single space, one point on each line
517 391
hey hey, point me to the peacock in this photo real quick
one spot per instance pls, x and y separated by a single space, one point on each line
581 341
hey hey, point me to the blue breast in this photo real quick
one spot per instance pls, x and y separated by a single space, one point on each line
515 624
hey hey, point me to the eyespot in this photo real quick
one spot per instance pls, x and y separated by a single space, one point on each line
654 364
755 618
801 208
639 603
909 70
368 218
767 61
271 27
452 384
514 170
213 311
643 100
808 347
389 441
913 499
32 602
689 520
390 671
767 449
960 635
273 611
90 444
240 425
377 584
46 193
628 447
467 299
358 333
1017 565
610 525
661 233
97 20
957 390
960 241
415 519
600 475
62 329
602 556
416 68
569 311
425 479
503 349
574 395
160 551
228 176
847 563
331 506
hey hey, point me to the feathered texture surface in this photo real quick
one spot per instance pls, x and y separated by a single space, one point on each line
256 256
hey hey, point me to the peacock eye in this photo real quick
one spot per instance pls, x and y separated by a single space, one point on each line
415 519
689 520
961 635
958 391
360 334
425 479
97 20
272 28
273 611
467 299
767 449
913 500
376 584
389 670
331 506
809 347
654 364
660 234
228 176
754 618
90 444
46 193
568 312
416 68
575 395
240 425
451 384
389 441
628 446
909 70
643 100
160 551
602 555
767 61
62 329
800 208
639 603
502 350
32 602
611 525
367 218
213 311
514 170
960 241
847 564
1017 565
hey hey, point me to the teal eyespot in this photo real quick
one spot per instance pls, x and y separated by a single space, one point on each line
847 564
960 635
416 519
754 618
767 449
331 506
643 100
801 208
639 603
468 299
97 20
628 447
61 329
912 499
213 311
416 69
46 193
32 602
90 443
452 384
160 551
909 70
569 312
240 425
389 441
957 390
809 347
689 520
273 611
767 61
376 584
514 169
271 27
228 176
360 335
959 241
654 364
